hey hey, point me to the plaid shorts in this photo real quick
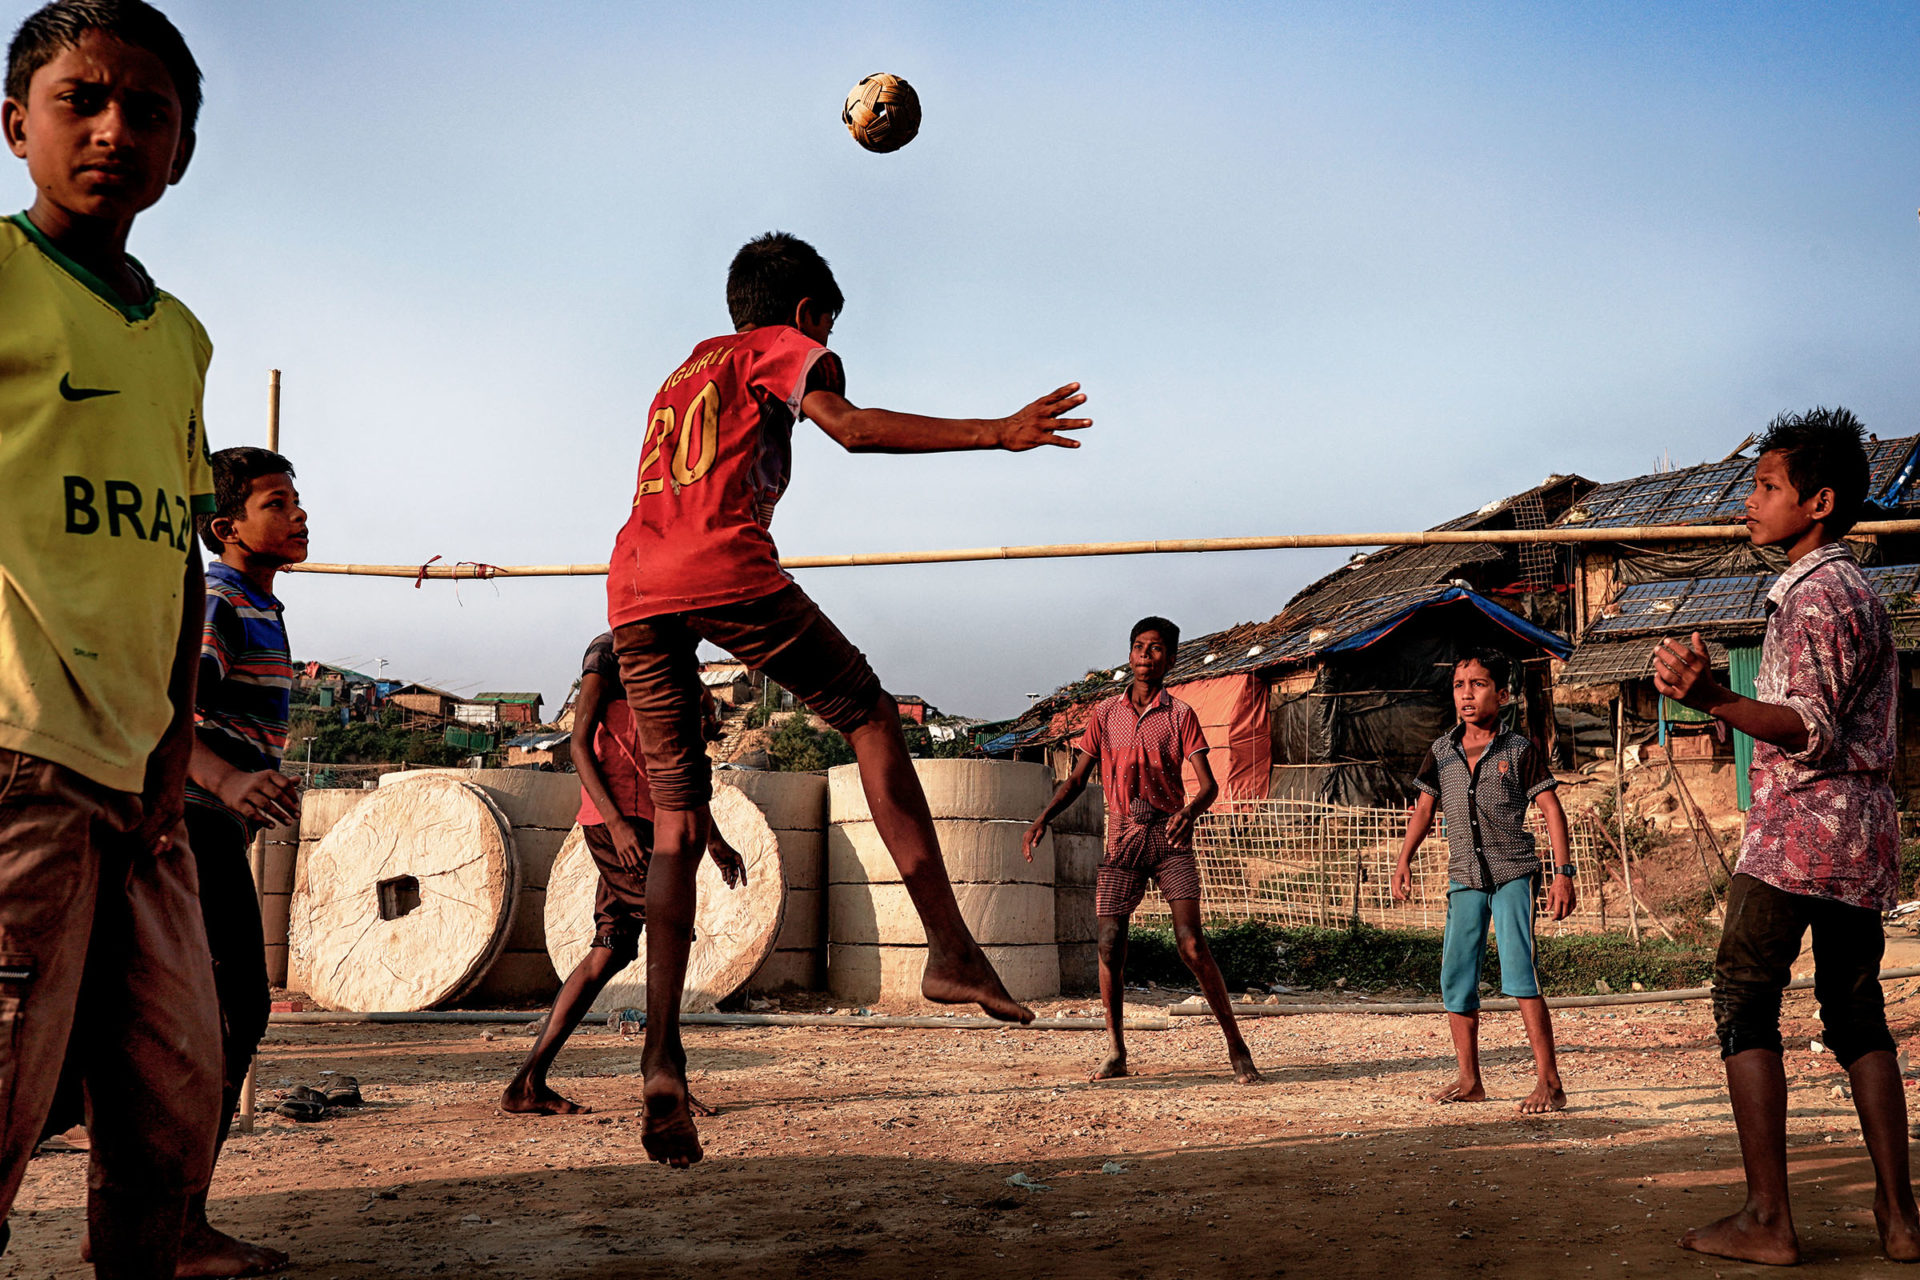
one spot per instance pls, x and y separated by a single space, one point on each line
1117 890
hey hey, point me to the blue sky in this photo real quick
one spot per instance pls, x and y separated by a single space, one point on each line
1320 268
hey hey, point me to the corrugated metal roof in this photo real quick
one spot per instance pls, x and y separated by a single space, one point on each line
1727 605
1716 492
1622 661
544 741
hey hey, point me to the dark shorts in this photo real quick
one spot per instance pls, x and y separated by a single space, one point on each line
235 935
620 899
1117 890
1757 950
784 636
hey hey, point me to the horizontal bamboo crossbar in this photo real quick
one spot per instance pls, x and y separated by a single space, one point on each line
1158 546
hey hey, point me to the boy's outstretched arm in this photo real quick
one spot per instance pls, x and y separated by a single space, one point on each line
1066 794
860 430
1684 673
1560 894
1417 827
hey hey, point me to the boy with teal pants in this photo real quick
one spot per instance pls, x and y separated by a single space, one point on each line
1484 776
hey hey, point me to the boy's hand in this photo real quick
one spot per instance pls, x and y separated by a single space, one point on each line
1040 422
268 796
1403 882
1685 674
627 849
733 867
1561 897
1180 825
1035 834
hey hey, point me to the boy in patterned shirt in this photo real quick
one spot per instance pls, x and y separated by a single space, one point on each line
1143 741
102 463
1822 845
695 561
1484 776
234 784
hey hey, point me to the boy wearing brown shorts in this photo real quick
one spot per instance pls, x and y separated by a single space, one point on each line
103 463
695 562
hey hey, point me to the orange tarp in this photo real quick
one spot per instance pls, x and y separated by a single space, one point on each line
1233 714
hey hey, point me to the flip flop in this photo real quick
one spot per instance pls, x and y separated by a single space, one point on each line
343 1092
304 1104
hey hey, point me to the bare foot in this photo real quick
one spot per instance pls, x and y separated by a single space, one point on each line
1741 1236
524 1098
1544 1098
1112 1067
1244 1072
1465 1089
700 1108
206 1252
971 980
1899 1232
669 1135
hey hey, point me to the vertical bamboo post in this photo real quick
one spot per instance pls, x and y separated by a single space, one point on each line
259 851
1620 808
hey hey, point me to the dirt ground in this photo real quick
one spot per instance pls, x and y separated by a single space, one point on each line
888 1152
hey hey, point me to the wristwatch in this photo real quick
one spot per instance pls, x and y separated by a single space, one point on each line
1567 871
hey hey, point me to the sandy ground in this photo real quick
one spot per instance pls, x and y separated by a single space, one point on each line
887 1153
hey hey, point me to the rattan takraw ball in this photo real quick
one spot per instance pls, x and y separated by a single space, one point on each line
882 112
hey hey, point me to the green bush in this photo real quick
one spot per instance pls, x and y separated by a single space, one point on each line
1254 955
800 748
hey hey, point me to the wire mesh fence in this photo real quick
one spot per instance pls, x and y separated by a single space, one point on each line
1301 862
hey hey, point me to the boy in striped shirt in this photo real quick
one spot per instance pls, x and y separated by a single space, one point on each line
235 787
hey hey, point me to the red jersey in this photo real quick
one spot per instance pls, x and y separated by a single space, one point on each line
714 461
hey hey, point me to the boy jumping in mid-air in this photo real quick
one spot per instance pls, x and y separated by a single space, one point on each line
103 464
1822 846
234 784
1484 776
1142 740
616 818
695 562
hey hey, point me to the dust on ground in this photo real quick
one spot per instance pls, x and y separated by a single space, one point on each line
879 1152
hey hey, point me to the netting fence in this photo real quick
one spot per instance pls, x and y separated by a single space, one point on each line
1301 862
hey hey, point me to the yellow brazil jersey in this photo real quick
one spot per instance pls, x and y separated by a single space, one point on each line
103 464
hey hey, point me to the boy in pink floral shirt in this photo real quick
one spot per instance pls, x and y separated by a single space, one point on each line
1822 847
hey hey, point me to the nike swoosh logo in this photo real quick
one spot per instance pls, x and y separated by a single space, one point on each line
71 392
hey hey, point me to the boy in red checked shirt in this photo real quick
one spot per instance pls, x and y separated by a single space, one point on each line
1822 845
1143 740
695 562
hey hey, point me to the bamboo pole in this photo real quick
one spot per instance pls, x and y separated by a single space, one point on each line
1164 546
1620 809
258 854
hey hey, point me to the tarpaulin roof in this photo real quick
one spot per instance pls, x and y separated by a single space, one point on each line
1716 492
1728 605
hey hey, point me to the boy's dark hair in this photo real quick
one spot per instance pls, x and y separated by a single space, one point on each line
234 471
1498 664
1168 632
771 274
59 26
1823 449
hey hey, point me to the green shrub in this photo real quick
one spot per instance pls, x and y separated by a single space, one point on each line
1254 955
800 748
